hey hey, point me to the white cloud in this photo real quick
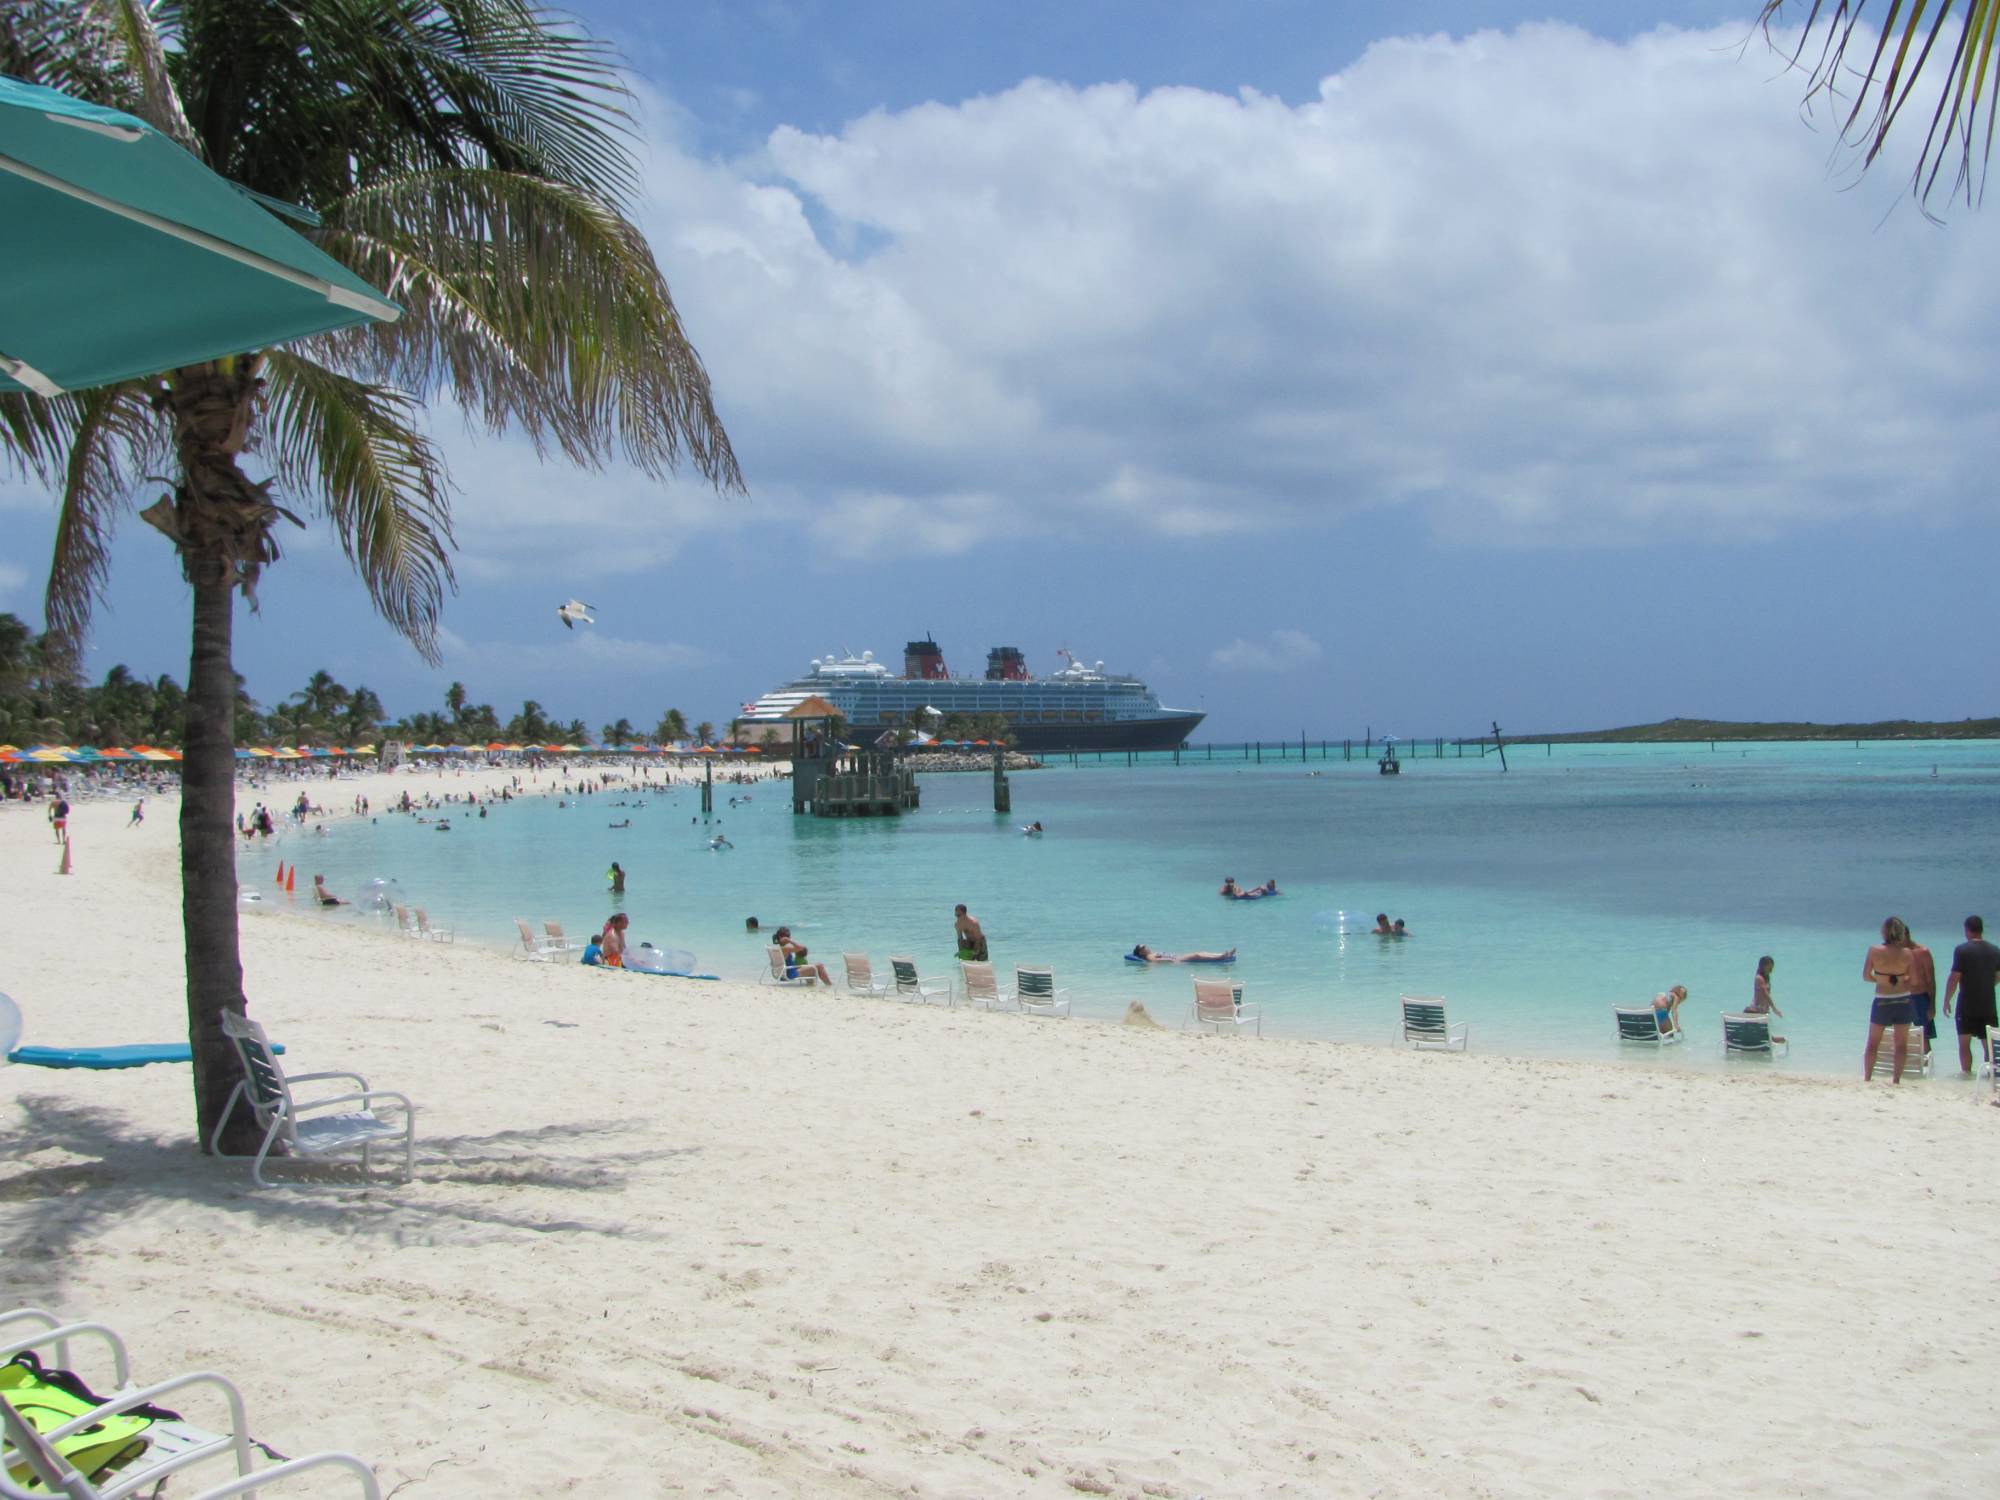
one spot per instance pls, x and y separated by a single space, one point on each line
1541 287
13 579
1280 651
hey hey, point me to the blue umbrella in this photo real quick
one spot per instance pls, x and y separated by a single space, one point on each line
124 255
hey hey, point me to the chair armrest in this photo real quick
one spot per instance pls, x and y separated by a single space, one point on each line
295 1078
239 1420
59 1333
362 1099
277 1473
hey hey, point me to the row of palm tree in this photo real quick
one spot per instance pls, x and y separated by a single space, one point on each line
42 702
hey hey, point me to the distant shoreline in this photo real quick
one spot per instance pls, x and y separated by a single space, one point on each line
1673 731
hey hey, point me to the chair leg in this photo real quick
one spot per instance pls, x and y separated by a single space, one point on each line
228 1109
257 1167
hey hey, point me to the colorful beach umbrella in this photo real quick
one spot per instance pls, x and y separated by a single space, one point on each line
125 255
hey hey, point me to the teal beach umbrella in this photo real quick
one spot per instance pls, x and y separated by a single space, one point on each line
121 254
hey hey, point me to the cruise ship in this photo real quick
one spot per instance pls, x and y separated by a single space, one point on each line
1081 707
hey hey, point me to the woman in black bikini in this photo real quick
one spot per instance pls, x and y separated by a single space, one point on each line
1888 966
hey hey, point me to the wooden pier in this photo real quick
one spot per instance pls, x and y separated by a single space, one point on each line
857 784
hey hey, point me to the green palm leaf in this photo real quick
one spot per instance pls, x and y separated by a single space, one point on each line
536 305
1912 35
354 451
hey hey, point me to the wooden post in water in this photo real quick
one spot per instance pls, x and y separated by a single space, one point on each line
1260 752
1003 796
1499 744
707 787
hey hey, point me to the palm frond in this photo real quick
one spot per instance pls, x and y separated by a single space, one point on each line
536 305
112 430
347 92
355 451
144 61
1962 123
533 96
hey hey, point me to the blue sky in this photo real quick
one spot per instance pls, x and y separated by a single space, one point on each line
1538 366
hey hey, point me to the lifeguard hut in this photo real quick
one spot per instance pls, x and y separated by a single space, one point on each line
833 780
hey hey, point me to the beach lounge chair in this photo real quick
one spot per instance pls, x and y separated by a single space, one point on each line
1218 1003
531 946
1426 1028
1035 993
1638 1023
1916 1057
910 987
59 1437
1749 1035
1993 1057
781 973
861 978
268 1092
435 934
403 923
557 943
982 986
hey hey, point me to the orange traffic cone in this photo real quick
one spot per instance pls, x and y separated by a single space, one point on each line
65 859
291 879
281 873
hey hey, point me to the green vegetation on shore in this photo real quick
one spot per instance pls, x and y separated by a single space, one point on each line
1674 730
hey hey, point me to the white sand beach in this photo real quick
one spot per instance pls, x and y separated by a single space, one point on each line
670 1237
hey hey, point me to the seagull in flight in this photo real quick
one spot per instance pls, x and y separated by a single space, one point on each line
573 611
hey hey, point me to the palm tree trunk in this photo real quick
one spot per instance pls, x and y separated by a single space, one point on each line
221 524
208 852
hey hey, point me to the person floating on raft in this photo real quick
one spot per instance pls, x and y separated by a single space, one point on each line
1034 829
1141 954
1257 893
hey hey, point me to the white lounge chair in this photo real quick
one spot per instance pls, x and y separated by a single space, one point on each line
268 1092
1749 1034
1218 1003
1916 1057
435 934
1426 1028
1993 1057
1036 994
556 941
789 975
404 925
1639 1023
530 946
58 1456
982 986
861 978
912 988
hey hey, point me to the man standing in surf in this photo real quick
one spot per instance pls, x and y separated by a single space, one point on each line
971 940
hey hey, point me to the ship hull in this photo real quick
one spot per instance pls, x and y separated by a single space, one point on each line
1163 733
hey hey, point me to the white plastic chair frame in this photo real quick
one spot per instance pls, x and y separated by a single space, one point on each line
556 940
801 976
982 985
172 1446
911 987
1748 1034
533 948
268 1091
1219 1003
1036 993
1426 1028
1640 1023
861 978
433 934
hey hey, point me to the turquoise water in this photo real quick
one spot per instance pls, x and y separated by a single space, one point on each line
1537 898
